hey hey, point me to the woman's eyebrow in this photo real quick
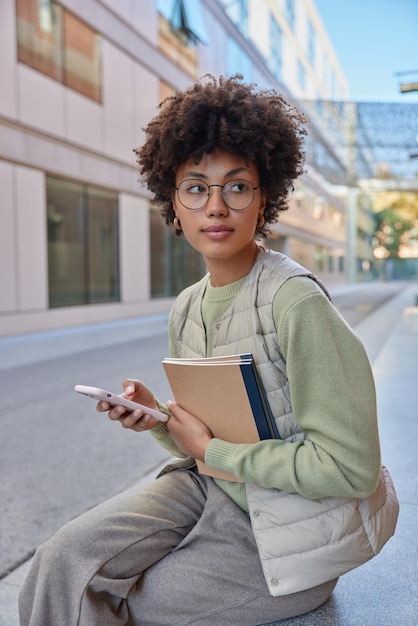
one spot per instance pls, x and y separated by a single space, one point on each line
234 172
237 170
194 175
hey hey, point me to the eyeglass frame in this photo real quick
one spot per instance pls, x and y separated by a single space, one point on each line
230 182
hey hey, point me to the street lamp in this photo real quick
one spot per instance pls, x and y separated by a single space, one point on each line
406 87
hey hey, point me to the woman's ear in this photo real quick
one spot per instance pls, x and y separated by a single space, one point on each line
260 222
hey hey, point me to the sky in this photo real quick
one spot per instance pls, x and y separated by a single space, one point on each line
374 39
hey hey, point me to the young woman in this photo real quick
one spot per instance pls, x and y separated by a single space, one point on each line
221 158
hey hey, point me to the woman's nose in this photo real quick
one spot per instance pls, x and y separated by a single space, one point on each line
216 204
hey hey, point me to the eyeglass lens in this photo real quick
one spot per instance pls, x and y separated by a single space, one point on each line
194 194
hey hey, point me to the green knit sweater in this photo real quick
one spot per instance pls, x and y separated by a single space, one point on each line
333 400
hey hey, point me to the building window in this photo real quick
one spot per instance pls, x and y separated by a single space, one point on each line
319 207
186 18
55 42
332 85
319 259
237 61
83 244
174 263
237 11
311 43
290 13
275 58
301 76
181 26
325 71
319 105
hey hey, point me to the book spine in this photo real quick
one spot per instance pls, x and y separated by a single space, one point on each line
254 397
269 415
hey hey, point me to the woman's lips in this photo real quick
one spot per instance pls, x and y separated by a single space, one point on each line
217 231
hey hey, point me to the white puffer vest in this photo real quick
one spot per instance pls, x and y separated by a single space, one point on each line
302 543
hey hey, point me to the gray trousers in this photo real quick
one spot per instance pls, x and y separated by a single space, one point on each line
177 551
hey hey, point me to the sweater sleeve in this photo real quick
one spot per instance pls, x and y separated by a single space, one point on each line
333 399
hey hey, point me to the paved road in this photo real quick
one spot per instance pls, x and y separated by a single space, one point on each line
58 457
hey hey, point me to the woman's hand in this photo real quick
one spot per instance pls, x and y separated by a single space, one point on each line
189 434
137 420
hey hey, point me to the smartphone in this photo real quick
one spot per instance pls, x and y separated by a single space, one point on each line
115 400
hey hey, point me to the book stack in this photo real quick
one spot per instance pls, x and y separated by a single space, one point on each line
226 393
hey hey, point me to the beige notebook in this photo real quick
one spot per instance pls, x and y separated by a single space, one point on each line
227 395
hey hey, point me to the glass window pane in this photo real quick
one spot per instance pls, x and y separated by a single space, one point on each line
83 248
311 42
66 236
275 57
301 75
195 19
290 13
237 10
237 61
319 259
82 57
187 265
39 36
161 241
167 8
102 246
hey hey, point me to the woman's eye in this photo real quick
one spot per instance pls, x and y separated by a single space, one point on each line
196 188
239 187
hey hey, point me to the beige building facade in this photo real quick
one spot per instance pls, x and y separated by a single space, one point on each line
79 241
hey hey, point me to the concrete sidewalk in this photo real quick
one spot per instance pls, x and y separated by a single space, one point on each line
384 592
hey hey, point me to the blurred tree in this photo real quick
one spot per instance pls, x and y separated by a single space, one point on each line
396 223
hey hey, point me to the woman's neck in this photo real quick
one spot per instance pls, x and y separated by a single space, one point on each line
226 271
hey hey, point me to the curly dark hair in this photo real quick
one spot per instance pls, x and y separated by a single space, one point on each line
258 124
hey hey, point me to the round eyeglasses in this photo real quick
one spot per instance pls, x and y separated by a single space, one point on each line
194 194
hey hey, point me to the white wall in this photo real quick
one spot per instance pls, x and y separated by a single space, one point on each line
7 56
23 240
212 59
259 26
118 101
130 98
31 239
146 100
141 14
84 121
8 277
41 101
